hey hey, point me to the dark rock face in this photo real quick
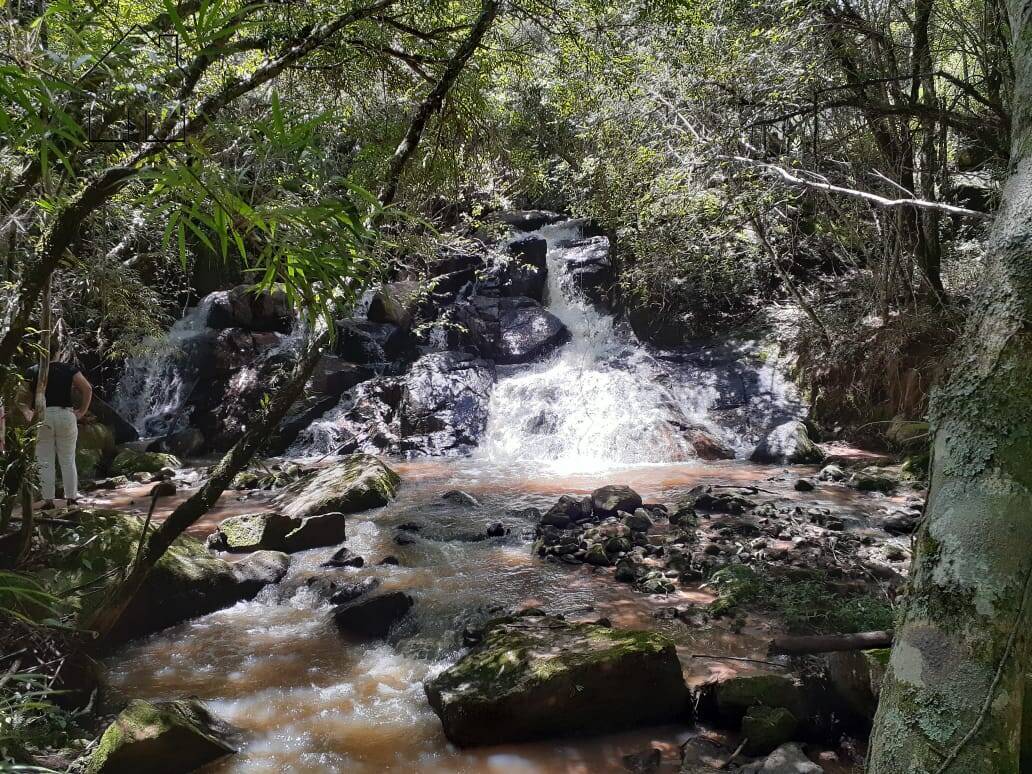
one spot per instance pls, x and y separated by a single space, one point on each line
123 431
589 265
535 677
366 342
395 303
443 406
371 618
166 737
242 308
334 376
610 499
349 592
523 272
507 330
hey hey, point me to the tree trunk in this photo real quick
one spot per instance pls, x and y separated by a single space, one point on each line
952 698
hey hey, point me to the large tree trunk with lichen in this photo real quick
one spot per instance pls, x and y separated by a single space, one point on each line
953 697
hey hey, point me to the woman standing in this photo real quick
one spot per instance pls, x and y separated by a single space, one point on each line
59 429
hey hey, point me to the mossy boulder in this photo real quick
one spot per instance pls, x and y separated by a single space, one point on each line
168 737
871 480
767 728
129 462
727 701
538 677
356 483
789 442
88 463
188 581
252 532
607 500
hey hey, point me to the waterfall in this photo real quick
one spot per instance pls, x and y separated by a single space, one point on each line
601 400
156 384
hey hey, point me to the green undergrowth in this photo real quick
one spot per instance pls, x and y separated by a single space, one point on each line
811 605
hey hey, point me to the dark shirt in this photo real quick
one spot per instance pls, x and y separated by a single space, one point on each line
59 383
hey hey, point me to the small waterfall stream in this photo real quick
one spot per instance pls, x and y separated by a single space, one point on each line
600 401
156 384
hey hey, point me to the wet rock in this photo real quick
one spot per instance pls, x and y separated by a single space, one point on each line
356 483
410 526
526 332
371 618
787 443
389 561
707 446
404 539
345 557
723 502
589 265
804 485
183 443
443 406
627 571
370 343
655 583
115 482
831 473
349 592
123 429
787 759
868 480
334 376
597 556
767 728
325 529
459 497
728 700
527 271
243 307
542 677
130 461
167 737
638 521
700 755
645 762
395 303
607 500
163 489
496 530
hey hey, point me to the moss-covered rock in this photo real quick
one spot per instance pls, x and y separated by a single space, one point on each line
169 737
356 483
767 728
728 700
787 443
871 480
535 677
130 461
188 581
88 463
252 532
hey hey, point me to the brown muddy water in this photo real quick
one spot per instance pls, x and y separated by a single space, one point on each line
310 702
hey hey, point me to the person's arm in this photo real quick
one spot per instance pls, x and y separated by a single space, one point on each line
85 394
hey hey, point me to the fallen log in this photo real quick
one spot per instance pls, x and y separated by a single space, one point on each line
827 643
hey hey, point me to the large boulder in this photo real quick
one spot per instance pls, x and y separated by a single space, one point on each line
371 617
122 428
333 376
130 461
187 581
276 532
356 483
166 737
607 500
787 759
444 402
368 342
527 269
788 443
244 307
395 303
589 265
527 333
537 677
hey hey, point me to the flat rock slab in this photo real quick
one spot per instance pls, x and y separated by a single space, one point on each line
539 677
357 483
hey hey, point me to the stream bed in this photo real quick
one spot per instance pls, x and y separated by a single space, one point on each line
310 702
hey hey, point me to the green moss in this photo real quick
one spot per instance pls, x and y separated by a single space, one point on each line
128 461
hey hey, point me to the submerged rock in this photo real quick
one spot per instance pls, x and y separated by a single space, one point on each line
371 618
355 483
167 737
349 592
540 676
459 497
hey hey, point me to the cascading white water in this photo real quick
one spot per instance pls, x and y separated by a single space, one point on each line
154 388
598 402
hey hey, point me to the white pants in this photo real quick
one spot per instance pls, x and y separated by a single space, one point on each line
58 433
